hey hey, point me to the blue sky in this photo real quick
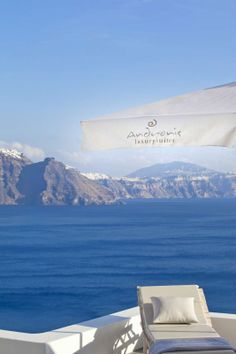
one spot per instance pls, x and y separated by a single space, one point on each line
62 61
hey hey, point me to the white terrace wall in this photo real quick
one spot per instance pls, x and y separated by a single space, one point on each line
118 333
225 325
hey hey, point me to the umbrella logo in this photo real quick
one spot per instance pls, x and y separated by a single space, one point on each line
152 123
153 135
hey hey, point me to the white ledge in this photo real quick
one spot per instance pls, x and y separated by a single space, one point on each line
119 332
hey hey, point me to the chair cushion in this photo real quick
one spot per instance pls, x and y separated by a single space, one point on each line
172 331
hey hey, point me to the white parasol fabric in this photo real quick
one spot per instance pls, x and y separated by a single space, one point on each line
203 118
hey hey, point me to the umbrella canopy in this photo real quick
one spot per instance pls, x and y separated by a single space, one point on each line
202 118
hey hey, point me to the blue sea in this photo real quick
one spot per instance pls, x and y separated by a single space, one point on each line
63 265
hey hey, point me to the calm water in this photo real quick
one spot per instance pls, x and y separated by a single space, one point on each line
64 265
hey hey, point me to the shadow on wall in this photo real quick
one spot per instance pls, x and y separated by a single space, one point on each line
117 338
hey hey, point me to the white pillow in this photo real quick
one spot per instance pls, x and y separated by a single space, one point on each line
173 310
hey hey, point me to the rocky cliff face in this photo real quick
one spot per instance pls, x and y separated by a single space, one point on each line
213 186
46 183
11 164
52 183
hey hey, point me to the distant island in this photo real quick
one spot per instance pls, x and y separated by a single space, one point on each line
51 182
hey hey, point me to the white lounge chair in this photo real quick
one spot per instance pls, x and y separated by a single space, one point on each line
157 332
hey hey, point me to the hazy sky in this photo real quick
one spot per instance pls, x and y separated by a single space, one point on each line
62 61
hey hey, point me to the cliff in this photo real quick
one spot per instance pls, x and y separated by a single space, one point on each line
46 183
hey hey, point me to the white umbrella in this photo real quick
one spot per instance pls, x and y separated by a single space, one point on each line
203 118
